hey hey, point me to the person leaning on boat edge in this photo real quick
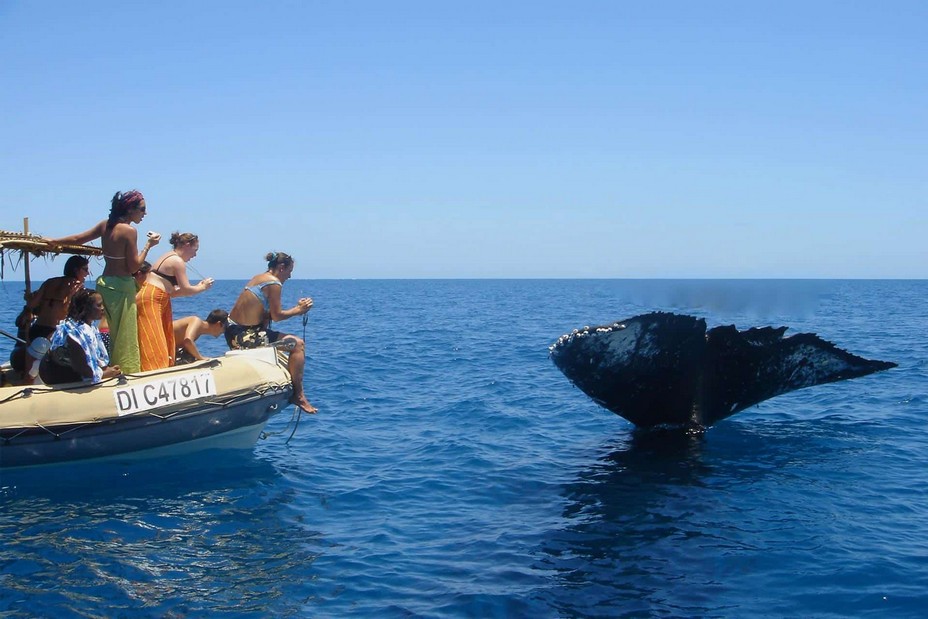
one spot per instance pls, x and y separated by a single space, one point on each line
259 304
117 284
77 352
188 329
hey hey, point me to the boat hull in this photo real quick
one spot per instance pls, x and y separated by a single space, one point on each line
235 427
50 426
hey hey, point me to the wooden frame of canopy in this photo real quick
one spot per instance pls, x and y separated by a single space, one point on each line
37 246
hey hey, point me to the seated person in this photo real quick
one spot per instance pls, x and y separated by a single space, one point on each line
77 352
48 305
260 303
187 330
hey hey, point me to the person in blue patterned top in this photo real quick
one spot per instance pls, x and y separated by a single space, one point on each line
77 351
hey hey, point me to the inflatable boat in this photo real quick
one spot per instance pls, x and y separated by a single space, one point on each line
216 403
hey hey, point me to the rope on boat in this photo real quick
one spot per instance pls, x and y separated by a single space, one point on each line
261 391
297 414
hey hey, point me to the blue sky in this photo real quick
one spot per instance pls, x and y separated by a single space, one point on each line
480 139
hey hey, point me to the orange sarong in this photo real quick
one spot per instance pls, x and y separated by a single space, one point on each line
156 329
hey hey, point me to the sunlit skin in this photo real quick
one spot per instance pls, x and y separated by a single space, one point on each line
248 310
174 263
120 243
50 302
187 330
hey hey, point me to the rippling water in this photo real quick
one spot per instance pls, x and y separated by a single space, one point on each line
453 471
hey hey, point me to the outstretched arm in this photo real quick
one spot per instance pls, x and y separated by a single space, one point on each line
184 287
82 237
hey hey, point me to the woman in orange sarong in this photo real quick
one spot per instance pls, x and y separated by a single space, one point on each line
167 279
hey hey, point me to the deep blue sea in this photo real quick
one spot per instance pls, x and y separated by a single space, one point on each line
452 471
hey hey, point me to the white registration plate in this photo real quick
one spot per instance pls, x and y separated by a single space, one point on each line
140 397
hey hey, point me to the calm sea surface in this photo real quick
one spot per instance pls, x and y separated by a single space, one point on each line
453 472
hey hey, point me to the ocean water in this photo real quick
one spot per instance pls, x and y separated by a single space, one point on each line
452 471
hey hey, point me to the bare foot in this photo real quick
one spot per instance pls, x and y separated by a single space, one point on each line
303 403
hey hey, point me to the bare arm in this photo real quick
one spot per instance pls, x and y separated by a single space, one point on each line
82 237
184 288
277 312
35 301
134 257
189 342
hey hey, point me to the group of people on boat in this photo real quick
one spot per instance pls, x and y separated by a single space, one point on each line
132 301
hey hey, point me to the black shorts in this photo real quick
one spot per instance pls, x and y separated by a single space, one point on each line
182 357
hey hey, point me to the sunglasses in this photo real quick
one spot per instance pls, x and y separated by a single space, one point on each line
142 208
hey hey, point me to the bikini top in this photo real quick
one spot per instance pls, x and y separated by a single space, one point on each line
171 279
257 290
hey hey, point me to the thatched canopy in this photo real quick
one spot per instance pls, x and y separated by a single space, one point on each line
40 246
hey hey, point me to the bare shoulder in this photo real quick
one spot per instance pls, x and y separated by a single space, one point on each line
260 278
126 231
184 322
99 229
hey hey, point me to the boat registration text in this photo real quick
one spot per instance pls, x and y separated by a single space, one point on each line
140 397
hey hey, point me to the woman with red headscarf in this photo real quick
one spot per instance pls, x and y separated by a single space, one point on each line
117 285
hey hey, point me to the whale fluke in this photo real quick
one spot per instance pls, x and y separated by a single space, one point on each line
666 369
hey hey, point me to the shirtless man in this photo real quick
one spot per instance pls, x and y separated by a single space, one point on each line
257 305
49 304
187 330
117 285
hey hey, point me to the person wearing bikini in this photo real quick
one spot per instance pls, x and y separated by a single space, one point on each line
259 304
116 285
167 279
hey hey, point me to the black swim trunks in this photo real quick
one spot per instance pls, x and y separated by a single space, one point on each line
182 357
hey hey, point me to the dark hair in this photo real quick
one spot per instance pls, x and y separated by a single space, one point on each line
183 238
75 264
81 304
218 315
278 258
121 204
145 267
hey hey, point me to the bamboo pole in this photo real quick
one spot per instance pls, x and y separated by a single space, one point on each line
26 258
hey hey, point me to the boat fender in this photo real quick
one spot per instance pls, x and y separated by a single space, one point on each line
36 351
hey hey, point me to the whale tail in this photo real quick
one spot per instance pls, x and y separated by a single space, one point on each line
667 369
